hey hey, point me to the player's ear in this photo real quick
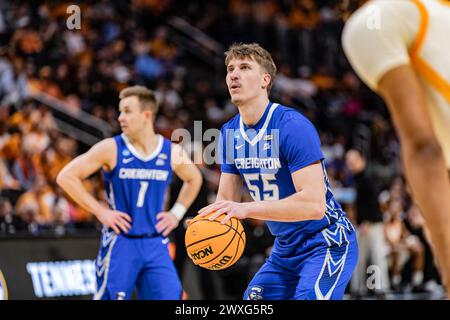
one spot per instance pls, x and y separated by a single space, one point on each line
148 115
265 81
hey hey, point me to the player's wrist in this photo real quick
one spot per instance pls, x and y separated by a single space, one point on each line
98 210
249 209
178 210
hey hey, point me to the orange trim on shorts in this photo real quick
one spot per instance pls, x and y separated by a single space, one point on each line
419 64
423 28
445 2
432 77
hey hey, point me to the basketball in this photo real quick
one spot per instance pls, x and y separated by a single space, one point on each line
213 245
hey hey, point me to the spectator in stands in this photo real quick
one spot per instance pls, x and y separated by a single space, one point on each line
8 155
24 168
403 246
13 81
8 219
37 203
415 225
371 237
60 211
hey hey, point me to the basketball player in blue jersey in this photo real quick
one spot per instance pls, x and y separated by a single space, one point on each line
137 167
276 151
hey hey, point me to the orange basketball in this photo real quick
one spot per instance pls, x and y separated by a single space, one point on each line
213 245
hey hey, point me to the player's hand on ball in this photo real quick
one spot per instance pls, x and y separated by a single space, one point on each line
167 221
116 220
231 209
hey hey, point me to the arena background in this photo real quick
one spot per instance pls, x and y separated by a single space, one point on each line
62 65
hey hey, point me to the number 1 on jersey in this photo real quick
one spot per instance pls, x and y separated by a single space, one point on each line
141 196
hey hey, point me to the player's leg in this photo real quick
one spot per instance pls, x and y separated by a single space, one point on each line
423 158
271 282
327 272
116 268
158 280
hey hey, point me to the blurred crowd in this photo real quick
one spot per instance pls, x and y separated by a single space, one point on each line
121 43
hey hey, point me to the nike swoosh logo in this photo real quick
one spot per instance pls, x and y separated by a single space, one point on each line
238 147
165 241
125 161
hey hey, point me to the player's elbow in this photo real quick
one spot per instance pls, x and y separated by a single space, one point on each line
62 178
195 181
198 178
319 210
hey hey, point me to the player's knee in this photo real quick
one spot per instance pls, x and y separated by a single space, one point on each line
426 149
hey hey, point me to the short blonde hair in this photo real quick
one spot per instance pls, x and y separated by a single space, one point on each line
146 97
254 52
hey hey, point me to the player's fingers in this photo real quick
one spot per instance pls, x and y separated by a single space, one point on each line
161 215
211 208
218 213
115 229
125 216
124 222
167 231
188 221
121 223
122 227
158 226
163 230
161 225
227 218
203 210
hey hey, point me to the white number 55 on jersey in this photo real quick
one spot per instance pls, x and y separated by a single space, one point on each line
270 189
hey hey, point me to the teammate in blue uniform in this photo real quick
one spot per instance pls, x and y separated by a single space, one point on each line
276 151
137 166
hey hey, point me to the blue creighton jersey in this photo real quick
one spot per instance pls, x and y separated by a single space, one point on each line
137 185
266 154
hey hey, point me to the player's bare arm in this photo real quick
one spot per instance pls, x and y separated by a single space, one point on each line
308 203
70 179
423 158
187 171
230 187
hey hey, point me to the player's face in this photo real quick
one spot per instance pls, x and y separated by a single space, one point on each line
246 80
131 117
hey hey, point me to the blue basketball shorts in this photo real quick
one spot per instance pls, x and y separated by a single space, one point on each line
320 270
125 264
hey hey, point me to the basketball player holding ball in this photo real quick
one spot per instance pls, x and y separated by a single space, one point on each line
276 152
